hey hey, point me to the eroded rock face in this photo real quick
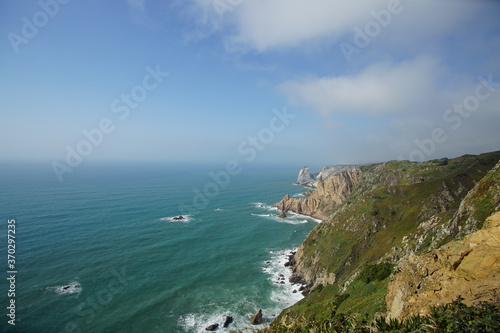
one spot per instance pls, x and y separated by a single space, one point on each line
313 276
470 268
256 318
305 178
329 193
465 220
328 171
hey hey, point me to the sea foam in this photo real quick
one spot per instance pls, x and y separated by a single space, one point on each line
285 294
185 219
73 287
292 218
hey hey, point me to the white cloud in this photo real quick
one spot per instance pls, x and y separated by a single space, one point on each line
378 105
267 24
379 89
264 24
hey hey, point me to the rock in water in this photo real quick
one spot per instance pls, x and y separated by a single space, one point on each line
256 318
305 177
228 321
282 214
212 327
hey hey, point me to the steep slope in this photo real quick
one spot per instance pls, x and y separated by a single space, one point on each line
305 177
382 213
469 267
329 194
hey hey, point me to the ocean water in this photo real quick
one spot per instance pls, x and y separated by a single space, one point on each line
101 252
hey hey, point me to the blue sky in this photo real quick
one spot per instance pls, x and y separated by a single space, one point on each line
363 82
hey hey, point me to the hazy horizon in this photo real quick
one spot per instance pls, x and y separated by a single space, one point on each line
259 82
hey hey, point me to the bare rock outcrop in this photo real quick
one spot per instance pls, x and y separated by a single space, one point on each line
466 219
305 177
256 318
329 193
311 275
328 171
469 268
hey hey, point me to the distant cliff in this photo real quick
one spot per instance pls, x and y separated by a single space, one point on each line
329 193
390 215
306 178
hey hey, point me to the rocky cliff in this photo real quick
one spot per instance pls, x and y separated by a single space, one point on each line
469 267
329 193
306 178
392 213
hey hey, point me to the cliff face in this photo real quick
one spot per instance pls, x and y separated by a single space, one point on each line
469 267
477 204
306 178
391 212
329 194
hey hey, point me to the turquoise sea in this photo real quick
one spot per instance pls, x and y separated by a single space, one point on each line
101 252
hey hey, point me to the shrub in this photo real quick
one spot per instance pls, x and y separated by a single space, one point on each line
449 318
376 272
443 161
458 317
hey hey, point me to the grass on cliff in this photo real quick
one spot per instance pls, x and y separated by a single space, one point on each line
376 219
389 205
448 318
486 198
366 294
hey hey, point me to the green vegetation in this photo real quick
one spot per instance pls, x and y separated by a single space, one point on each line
377 272
366 298
449 318
399 207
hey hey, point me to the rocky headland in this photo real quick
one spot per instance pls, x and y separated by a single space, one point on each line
329 193
398 237
306 178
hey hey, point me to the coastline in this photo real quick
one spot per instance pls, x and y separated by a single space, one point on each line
278 274
383 221
284 295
